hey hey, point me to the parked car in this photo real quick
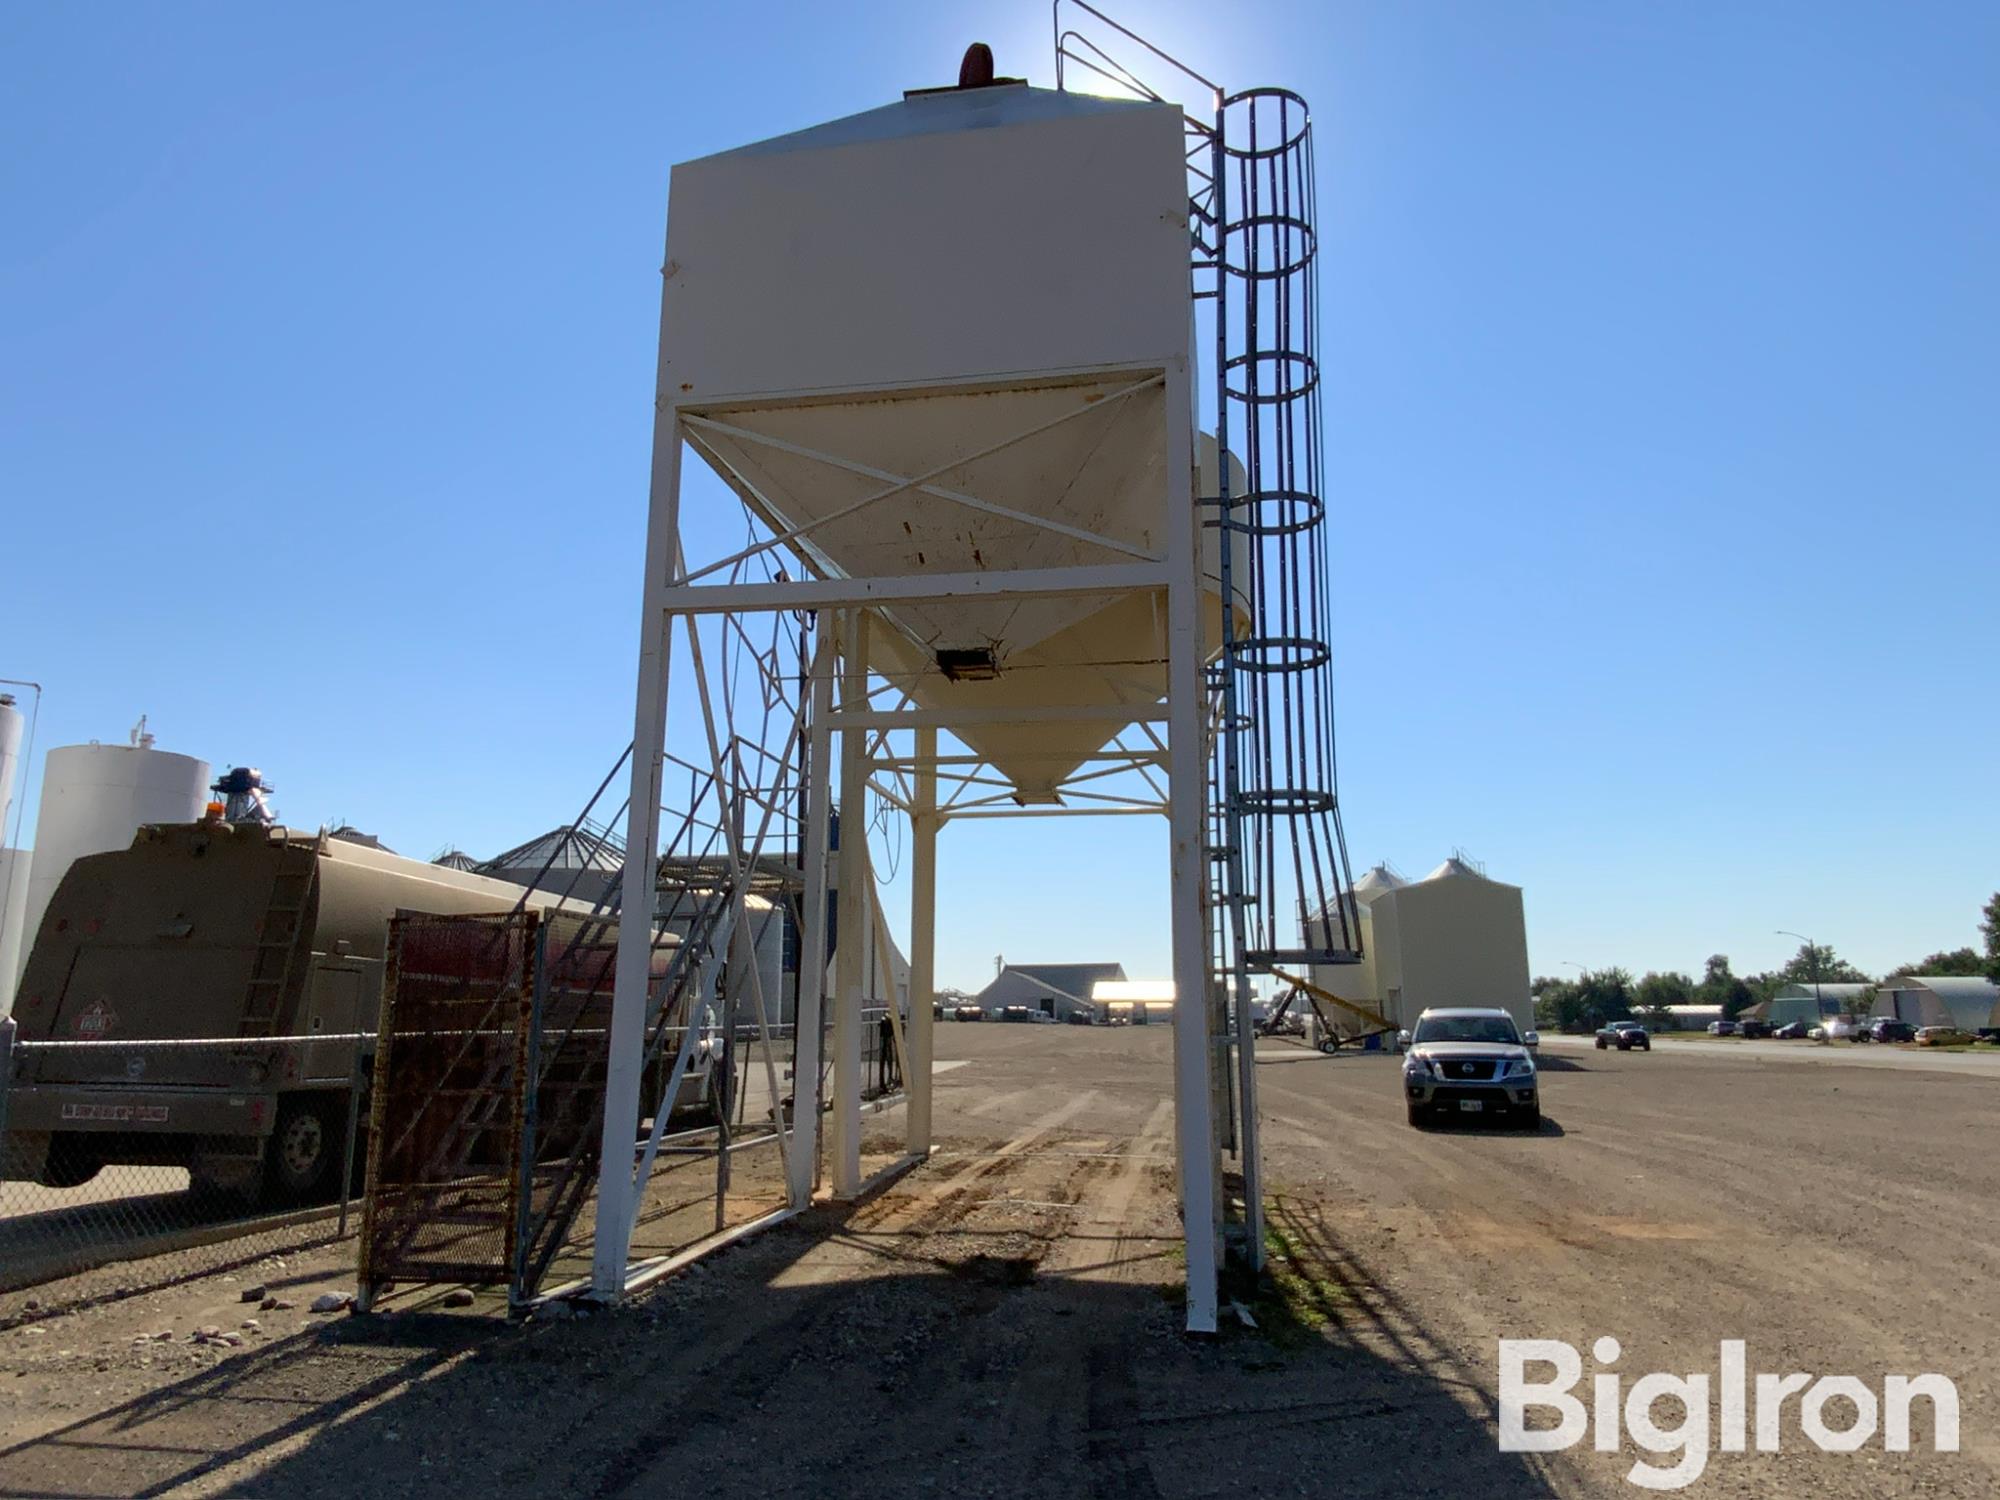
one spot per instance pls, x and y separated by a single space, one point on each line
968 1013
1840 1029
1723 1028
1942 1036
1624 1035
1750 1026
1889 1029
1466 1061
1794 1031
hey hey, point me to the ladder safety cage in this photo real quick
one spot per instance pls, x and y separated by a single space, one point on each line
1278 848
1275 843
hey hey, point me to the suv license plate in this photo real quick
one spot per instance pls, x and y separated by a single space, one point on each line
1472 1106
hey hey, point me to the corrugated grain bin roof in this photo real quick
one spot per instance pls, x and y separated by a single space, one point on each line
1952 986
1454 869
1376 880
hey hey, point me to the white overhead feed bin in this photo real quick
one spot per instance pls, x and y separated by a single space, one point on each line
943 353
830 328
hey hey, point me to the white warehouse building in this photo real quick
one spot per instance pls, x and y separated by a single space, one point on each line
1456 937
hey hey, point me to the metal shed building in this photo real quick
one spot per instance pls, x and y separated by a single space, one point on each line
1059 990
1140 1001
1970 1004
1795 1003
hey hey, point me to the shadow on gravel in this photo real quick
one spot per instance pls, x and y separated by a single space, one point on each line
1546 1063
773 1372
1547 1127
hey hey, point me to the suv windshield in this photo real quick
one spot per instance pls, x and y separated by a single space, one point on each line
1466 1029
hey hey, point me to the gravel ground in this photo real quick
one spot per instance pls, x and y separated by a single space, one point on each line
1005 1320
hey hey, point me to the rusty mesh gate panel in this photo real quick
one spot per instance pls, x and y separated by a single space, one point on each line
446 1114
562 1114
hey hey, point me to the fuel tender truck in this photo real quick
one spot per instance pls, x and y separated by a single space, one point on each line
219 954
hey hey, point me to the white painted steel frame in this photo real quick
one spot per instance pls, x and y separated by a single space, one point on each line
668 593
844 1129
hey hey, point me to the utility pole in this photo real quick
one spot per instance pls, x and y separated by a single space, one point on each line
1812 953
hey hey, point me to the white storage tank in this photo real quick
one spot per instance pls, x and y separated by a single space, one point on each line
1359 983
94 798
13 862
1456 937
767 940
14 870
10 760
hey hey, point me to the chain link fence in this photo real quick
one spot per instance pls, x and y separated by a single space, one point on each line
169 1159
130 1166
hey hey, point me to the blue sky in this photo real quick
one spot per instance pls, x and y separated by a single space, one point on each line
1662 412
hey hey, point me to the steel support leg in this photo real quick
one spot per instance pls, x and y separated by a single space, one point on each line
615 1189
807 1035
851 936
923 943
1194 1119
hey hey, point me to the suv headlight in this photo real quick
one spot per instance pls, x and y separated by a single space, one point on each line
1520 1067
1418 1067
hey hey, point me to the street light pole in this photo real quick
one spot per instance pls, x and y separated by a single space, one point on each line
1812 951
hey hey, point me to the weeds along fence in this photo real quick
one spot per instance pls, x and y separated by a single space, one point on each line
129 1165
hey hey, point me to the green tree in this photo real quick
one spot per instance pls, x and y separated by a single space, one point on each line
1655 992
1721 986
1763 986
1604 995
1967 962
1823 964
1989 928
1715 980
1738 998
1558 1007
1550 995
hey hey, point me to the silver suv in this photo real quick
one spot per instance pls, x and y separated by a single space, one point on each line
1467 1061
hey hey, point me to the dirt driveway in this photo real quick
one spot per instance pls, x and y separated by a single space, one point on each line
1005 1320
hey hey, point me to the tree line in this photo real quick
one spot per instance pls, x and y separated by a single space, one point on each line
1599 995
